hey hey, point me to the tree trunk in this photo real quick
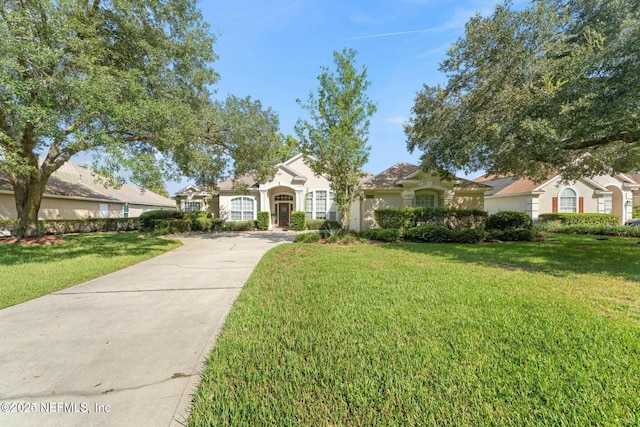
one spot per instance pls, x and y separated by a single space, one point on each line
28 192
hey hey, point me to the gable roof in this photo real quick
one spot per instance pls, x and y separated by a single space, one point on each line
391 177
77 182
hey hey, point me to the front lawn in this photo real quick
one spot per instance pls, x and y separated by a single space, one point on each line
427 334
27 272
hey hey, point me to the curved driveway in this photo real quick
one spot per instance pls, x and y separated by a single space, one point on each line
126 348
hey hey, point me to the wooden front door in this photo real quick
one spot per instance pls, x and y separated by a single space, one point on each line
284 214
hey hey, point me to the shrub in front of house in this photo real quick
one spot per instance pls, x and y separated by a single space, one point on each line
510 226
217 224
298 221
383 234
168 226
240 226
308 238
599 230
264 218
430 234
322 224
147 217
405 218
580 219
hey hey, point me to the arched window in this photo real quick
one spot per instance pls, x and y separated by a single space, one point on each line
568 201
242 208
283 198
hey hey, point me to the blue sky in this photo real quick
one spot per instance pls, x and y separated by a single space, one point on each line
272 50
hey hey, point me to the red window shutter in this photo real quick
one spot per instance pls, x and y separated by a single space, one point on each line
554 204
580 204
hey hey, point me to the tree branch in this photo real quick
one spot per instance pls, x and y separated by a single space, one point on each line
627 137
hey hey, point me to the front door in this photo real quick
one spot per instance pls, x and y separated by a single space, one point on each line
283 214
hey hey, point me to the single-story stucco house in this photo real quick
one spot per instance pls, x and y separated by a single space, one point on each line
295 187
73 193
600 194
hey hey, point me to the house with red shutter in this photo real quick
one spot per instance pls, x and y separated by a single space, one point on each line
610 194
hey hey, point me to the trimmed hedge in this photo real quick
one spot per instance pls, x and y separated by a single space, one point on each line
441 234
264 219
322 224
383 234
298 221
598 230
166 226
81 225
147 217
405 218
509 226
240 226
505 220
580 219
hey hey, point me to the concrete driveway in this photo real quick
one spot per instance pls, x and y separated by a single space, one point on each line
125 349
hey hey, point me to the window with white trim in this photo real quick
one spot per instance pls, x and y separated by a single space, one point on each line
192 205
319 205
568 201
125 210
425 200
242 208
608 203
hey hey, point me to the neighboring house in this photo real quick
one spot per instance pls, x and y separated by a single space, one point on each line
296 188
407 185
601 194
73 193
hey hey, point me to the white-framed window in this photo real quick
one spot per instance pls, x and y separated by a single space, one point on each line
425 200
104 210
568 201
192 205
242 208
283 198
125 210
319 204
608 203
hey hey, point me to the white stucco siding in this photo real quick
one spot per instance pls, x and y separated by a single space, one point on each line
467 201
590 199
225 204
516 203
379 201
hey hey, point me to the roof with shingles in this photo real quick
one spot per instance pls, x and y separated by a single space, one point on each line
504 185
389 178
75 181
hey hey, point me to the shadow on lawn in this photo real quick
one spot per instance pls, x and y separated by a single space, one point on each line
558 255
104 245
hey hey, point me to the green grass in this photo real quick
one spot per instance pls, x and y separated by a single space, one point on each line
427 334
27 272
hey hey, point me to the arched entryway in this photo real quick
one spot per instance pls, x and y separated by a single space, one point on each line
282 202
617 202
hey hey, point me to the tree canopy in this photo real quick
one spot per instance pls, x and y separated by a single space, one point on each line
335 137
127 81
551 88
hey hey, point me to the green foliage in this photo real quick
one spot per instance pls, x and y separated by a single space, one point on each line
320 224
383 234
168 226
411 217
217 224
335 137
422 334
430 233
298 221
529 92
636 211
508 219
264 219
308 238
601 230
580 219
82 225
147 218
510 234
240 225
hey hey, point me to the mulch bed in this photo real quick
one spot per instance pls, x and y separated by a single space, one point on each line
42 240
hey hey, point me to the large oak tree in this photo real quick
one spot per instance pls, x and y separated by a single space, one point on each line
125 81
553 87
335 136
